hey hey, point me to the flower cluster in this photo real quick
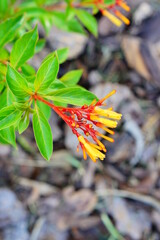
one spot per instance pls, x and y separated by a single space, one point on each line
84 122
111 11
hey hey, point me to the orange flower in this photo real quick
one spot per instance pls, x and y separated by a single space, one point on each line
84 122
85 119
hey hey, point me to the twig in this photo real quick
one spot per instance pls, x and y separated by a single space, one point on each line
37 228
38 188
126 194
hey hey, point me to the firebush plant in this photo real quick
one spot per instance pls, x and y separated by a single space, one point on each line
25 92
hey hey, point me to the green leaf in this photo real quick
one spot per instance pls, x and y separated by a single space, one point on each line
8 29
88 21
60 21
3 69
68 1
62 55
24 48
28 70
3 6
56 85
45 109
4 54
110 227
8 136
40 45
17 84
21 106
8 117
1 84
46 22
70 13
73 95
23 123
47 73
34 12
40 2
71 78
7 98
42 133
109 2
2 141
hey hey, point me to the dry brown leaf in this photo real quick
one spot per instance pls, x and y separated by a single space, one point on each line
82 202
38 188
128 220
131 49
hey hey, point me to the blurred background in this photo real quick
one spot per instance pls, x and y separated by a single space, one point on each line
72 199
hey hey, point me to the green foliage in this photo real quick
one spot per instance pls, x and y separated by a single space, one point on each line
8 29
9 116
69 19
8 136
19 81
71 78
88 21
23 123
17 84
24 48
3 7
110 227
47 73
42 133
72 95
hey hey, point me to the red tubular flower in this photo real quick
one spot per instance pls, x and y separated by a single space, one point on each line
83 120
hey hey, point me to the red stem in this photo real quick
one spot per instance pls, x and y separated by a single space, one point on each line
37 97
56 109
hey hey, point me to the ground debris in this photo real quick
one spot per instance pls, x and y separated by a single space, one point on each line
65 198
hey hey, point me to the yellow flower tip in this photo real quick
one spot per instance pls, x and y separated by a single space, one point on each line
108 95
84 154
106 122
96 146
127 21
101 145
91 150
105 150
124 6
107 113
122 17
112 18
108 130
105 137
128 9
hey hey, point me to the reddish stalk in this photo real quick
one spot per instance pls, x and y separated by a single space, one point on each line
37 97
